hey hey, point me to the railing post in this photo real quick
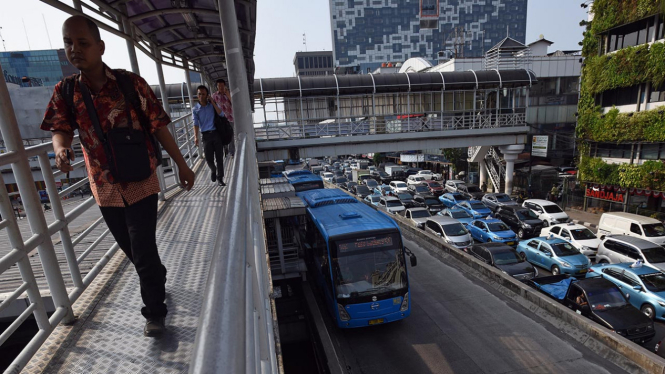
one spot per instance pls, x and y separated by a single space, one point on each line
33 208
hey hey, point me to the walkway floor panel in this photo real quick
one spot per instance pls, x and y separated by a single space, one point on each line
108 337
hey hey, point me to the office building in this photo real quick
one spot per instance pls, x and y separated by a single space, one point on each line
36 68
313 63
622 109
366 33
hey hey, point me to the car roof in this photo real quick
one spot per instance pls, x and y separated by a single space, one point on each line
553 240
515 208
644 269
571 226
488 220
496 194
416 209
443 220
591 284
496 247
638 242
643 219
539 201
390 198
430 181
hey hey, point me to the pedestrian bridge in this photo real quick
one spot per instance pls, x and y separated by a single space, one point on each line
354 114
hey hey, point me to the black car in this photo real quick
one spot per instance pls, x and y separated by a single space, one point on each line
351 186
412 171
471 191
381 177
504 258
339 180
362 191
371 183
406 199
417 189
521 220
428 201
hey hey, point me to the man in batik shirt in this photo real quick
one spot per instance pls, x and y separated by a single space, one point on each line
223 100
129 209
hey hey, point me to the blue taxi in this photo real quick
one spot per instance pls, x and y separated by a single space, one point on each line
457 213
643 286
490 229
554 254
476 208
451 199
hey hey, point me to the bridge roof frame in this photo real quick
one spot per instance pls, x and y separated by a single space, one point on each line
173 35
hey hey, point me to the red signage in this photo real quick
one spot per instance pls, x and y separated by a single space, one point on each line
605 195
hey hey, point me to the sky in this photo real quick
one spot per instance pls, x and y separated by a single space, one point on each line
279 35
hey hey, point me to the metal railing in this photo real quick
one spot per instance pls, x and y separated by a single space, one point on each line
17 156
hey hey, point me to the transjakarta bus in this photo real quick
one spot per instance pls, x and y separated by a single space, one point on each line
357 259
305 182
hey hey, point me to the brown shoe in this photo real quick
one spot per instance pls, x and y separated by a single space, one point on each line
154 327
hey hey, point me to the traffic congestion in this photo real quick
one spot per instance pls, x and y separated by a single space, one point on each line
614 277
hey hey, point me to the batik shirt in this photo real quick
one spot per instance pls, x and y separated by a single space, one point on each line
110 106
224 104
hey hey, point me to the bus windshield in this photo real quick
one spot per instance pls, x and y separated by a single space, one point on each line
368 265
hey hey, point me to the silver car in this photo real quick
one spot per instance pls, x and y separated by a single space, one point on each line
495 200
450 230
417 216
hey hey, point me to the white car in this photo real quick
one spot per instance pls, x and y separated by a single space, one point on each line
328 177
398 186
429 175
451 185
391 204
415 179
578 235
547 211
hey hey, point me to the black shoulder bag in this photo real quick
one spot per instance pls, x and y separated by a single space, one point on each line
125 148
224 129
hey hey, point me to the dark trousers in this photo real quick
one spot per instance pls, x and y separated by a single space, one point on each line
214 151
134 227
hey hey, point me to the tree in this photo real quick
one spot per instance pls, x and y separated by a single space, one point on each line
378 158
457 157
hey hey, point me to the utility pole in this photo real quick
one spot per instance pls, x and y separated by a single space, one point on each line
3 41
304 41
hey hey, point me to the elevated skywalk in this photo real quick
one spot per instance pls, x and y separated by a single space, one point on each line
108 335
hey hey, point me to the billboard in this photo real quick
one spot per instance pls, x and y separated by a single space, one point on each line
539 145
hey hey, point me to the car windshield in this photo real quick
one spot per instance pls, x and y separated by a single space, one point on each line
606 299
460 214
400 184
503 198
582 234
435 185
362 189
478 206
367 267
351 184
654 229
460 197
654 254
505 258
371 183
418 179
432 202
375 198
405 196
419 214
383 174
455 229
497 226
473 189
526 214
564 249
421 189
552 209
341 180
654 282
393 203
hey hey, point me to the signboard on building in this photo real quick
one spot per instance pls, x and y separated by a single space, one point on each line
539 145
412 158
615 197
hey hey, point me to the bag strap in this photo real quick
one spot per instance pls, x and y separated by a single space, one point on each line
131 96
92 113
68 94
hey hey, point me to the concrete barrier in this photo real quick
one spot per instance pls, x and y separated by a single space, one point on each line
622 352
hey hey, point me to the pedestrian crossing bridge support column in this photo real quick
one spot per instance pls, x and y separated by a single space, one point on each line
510 153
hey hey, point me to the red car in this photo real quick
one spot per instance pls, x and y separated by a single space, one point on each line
435 188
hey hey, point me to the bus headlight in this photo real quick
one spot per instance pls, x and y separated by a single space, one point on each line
405 303
343 315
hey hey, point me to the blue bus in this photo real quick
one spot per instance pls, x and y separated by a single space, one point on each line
356 258
305 182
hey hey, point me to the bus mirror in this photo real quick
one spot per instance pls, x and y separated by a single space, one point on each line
414 260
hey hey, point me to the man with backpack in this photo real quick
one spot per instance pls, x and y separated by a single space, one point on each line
119 122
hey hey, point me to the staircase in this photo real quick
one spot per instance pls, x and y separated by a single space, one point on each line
475 154
496 170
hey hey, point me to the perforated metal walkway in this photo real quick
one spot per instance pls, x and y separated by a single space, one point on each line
108 336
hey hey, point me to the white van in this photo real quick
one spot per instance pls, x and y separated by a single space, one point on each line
631 224
547 211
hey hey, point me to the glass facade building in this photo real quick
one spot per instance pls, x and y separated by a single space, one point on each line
37 68
368 32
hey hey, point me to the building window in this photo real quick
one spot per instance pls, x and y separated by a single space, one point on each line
629 35
657 94
620 96
652 151
301 63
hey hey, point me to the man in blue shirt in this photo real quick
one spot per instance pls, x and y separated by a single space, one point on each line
204 119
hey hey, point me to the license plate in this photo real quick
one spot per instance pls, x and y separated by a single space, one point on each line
376 321
582 271
510 243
